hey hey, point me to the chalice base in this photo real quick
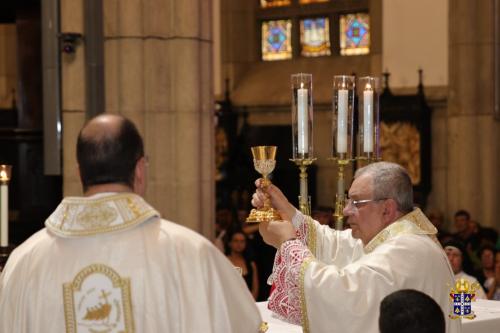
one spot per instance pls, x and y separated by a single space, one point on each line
258 215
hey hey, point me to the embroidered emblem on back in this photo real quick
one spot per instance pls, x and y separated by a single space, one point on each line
98 301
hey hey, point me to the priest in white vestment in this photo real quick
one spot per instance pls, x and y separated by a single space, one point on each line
333 281
107 262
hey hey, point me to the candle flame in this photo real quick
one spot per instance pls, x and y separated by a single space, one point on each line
3 175
301 85
368 86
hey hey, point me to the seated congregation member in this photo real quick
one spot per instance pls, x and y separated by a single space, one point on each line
494 292
238 256
458 257
486 274
410 311
333 281
107 261
437 219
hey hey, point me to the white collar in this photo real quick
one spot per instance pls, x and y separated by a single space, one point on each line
98 214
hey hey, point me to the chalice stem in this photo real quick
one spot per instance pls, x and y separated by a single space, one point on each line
267 200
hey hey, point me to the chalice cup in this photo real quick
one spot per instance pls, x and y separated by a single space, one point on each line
264 161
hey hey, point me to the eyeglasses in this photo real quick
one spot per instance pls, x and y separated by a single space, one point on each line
360 203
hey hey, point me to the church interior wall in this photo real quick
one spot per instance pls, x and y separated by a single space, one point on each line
148 75
8 64
410 44
73 96
407 36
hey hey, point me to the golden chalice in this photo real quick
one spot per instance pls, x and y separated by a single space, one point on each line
264 161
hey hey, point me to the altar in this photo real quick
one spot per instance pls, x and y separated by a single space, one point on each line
487 319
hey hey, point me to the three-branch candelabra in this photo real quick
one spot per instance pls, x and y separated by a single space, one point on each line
344 134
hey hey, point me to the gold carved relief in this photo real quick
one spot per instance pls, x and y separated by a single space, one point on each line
400 143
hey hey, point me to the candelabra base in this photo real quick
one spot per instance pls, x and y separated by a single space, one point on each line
261 215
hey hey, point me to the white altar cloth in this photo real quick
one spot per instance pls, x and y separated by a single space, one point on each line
487 319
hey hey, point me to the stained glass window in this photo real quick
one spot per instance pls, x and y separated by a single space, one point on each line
277 40
315 37
274 3
303 2
354 34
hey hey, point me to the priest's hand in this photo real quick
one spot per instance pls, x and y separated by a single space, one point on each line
275 233
278 199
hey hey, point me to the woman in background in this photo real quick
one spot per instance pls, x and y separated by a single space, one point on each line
237 255
494 292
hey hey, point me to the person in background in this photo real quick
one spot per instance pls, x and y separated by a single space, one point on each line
323 215
494 292
461 222
458 259
223 223
486 274
239 258
410 311
437 219
263 254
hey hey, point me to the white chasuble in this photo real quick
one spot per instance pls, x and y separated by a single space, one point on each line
327 281
109 263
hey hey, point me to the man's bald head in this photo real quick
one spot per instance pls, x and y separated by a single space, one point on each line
102 126
107 149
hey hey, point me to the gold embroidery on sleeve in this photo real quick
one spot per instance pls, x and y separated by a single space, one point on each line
303 305
311 235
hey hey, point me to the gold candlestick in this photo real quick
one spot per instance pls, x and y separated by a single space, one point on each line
339 204
343 134
264 161
304 198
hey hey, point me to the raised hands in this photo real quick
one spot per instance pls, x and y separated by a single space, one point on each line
278 199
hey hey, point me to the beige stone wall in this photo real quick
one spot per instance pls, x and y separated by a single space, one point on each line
415 35
262 83
73 96
473 133
8 64
158 73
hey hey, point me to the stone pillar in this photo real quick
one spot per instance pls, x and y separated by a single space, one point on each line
73 95
158 72
473 134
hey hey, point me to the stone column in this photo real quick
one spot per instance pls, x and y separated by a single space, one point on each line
473 134
73 95
158 72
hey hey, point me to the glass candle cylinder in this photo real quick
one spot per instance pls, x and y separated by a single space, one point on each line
368 112
342 120
302 116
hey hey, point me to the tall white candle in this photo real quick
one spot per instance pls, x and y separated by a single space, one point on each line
302 120
342 121
368 119
4 215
